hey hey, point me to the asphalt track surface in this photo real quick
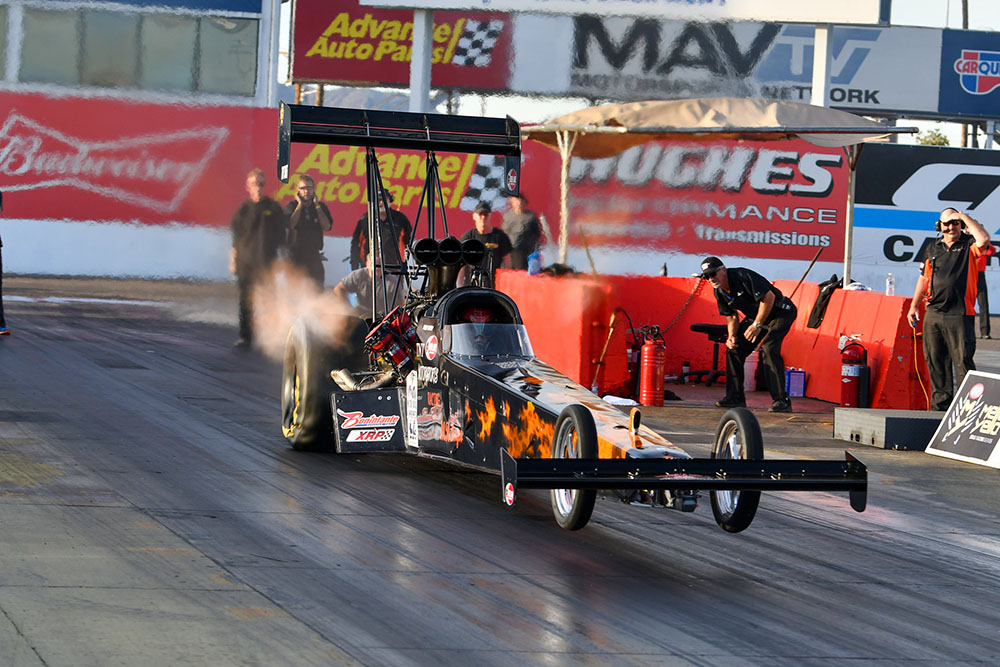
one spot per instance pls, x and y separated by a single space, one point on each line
152 514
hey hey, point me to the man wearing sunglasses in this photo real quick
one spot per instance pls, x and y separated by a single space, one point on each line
948 279
768 315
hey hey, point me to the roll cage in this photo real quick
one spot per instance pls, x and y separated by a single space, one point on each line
426 132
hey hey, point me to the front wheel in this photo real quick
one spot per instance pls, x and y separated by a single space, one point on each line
738 437
575 438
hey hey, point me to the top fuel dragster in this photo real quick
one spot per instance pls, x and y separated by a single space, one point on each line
450 373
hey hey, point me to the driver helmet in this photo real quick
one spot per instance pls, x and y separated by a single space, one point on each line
479 317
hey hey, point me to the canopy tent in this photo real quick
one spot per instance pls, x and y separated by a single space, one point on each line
607 130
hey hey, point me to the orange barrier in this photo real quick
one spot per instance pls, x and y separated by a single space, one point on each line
568 321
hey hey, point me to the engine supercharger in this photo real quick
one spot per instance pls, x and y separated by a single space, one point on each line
652 366
854 374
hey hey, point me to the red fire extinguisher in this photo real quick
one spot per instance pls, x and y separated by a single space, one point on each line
652 366
854 373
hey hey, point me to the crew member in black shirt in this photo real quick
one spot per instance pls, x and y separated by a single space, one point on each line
308 218
497 244
948 278
768 317
258 230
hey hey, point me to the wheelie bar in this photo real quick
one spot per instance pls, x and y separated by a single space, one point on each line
850 475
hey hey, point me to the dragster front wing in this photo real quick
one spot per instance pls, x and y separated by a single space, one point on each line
850 475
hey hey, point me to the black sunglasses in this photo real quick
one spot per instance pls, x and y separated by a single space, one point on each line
709 274
947 223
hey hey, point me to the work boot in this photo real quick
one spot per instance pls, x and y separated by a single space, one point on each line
731 402
781 405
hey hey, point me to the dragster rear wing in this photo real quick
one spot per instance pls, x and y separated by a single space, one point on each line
850 475
401 130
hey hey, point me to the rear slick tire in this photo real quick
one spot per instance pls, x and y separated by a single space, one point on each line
575 438
738 437
306 385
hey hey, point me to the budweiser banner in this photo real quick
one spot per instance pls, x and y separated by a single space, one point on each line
340 41
100 159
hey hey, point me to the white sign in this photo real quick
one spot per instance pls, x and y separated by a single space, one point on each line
857 12
970 429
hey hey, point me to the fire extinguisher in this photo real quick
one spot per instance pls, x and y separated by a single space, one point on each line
854 374
652 366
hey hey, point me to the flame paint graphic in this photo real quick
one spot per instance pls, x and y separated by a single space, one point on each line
487 419
530 435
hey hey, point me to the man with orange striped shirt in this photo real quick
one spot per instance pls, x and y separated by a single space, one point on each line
948 280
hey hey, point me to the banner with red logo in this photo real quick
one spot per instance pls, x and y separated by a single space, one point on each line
102 159
96 159
776 200
339 41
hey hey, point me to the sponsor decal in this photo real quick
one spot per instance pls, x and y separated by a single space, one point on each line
512 180
427 374
371 435
749 199
359 420
978 71
628 58
970 428
431 348
342 41
508 494
152 171
339 173
970 418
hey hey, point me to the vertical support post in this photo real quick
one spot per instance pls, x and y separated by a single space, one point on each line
852 153
566 140
420 62
821 64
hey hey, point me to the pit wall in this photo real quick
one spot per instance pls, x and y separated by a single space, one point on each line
568 321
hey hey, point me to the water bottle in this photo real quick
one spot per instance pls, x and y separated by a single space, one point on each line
534 263
890 286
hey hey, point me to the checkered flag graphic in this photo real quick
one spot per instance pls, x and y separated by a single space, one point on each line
475 46
485 183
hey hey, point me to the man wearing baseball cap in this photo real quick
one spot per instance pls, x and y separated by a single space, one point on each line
497 244
768 316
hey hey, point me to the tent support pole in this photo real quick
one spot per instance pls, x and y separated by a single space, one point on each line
567 140
852 153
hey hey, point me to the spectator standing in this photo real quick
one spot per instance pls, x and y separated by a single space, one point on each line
393 224
307 220
258 230
948 279
983 299
497 244
524 231
4 331
768 316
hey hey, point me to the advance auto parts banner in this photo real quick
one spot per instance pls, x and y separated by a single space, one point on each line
781 200
339 41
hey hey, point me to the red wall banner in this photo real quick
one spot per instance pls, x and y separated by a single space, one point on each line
98 159
778 200
339 41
